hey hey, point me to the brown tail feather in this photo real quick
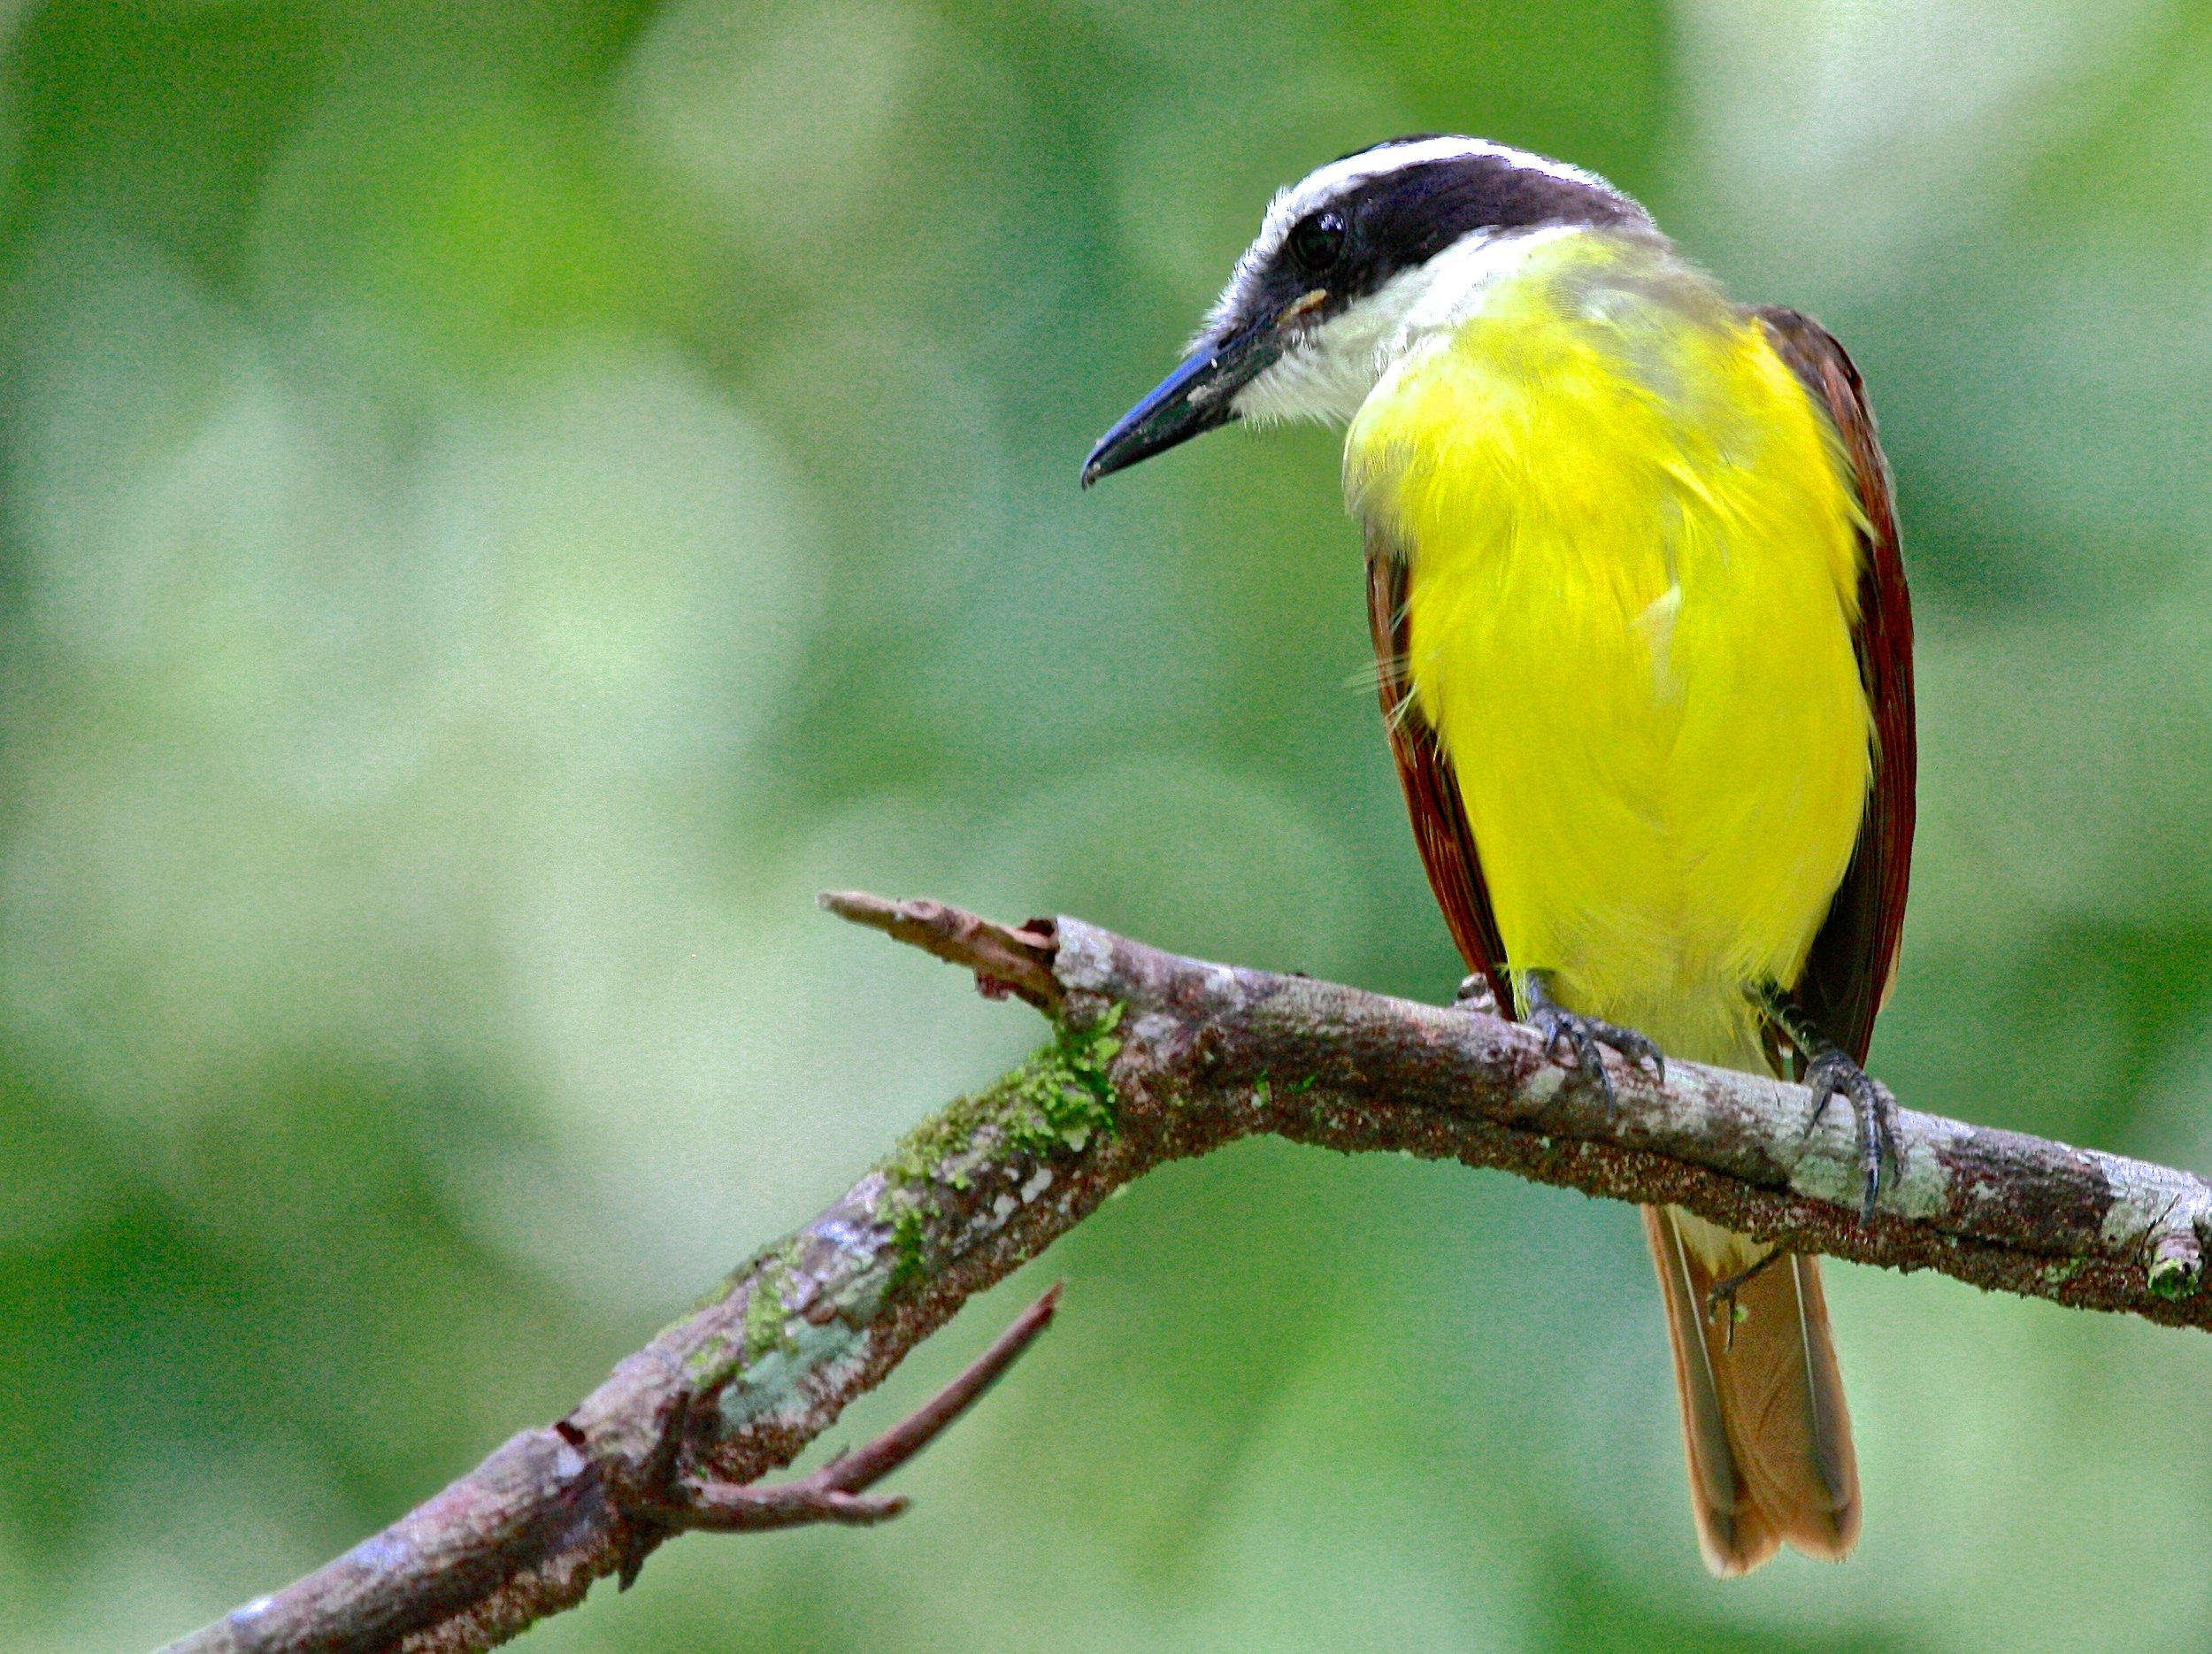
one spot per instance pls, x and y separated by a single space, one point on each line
1763 1419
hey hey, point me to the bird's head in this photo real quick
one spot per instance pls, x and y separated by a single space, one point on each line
1344 258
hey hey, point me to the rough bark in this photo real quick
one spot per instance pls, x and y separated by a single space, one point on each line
1156 1058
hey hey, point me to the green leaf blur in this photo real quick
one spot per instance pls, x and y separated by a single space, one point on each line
498 504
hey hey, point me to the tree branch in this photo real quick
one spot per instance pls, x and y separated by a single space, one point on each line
832 1494
1156 1058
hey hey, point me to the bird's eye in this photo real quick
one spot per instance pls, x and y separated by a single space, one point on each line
1316 241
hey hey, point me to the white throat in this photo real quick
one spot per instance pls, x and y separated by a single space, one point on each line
1329 372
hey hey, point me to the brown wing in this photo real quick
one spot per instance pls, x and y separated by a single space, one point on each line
1854 961
1440 819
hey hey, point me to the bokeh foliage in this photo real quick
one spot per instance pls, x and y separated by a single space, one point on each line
499 504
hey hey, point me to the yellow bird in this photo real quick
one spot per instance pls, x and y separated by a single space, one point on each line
1646 660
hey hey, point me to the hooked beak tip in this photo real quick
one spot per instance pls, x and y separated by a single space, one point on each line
1110 454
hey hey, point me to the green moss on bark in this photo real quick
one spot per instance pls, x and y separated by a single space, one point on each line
1057 1103
766 1317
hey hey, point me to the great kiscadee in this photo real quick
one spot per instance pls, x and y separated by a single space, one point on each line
1645 651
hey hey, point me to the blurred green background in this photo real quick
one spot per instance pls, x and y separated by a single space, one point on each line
499 505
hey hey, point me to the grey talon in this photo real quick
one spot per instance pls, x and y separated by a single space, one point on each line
1586 1036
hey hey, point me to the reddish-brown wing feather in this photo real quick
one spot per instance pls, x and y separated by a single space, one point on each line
1853 962
1440 819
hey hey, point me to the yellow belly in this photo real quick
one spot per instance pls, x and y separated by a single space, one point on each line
1633 582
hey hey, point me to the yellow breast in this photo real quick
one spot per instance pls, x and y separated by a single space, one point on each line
1634 582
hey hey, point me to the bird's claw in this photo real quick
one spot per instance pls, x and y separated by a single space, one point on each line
1720 1299
1831 1074
1475 995
1565 1030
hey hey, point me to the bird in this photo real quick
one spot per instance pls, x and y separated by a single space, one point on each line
1644 647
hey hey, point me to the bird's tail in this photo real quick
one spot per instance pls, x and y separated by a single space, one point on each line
1763 1411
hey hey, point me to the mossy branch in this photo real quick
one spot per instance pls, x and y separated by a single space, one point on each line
1154 1057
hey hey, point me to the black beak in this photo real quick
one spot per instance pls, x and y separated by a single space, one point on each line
1195 398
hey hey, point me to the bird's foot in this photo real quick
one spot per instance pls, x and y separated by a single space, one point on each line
1721 1298
1564 1030
1831 1074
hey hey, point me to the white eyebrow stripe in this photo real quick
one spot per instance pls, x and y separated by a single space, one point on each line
1324 183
